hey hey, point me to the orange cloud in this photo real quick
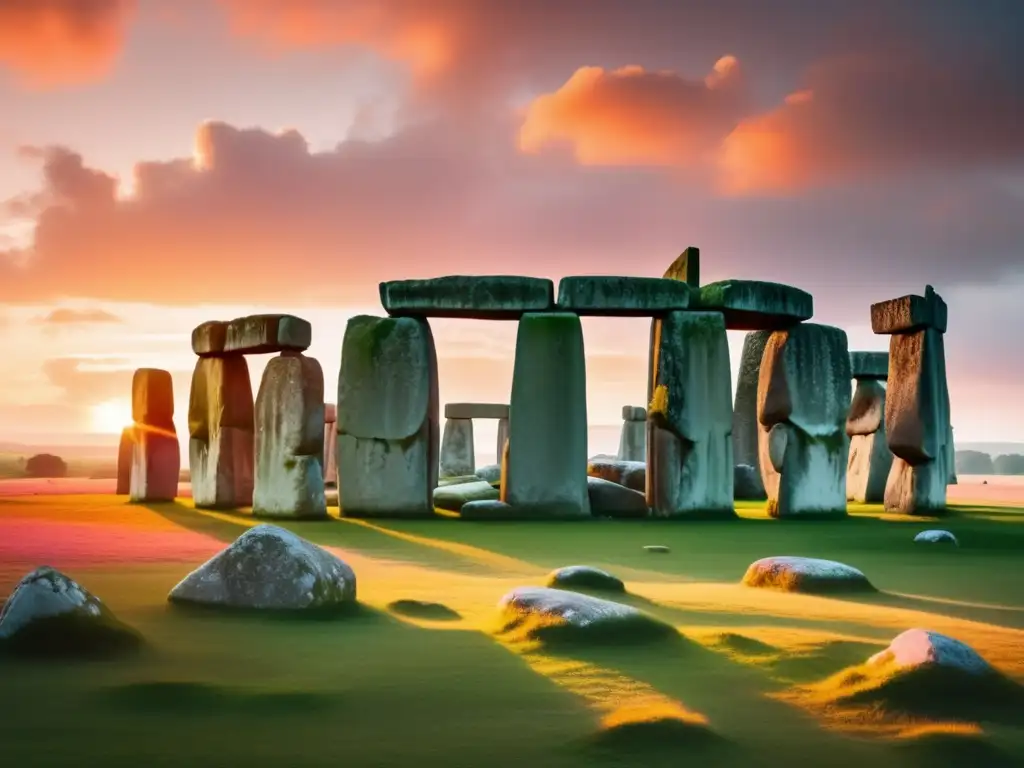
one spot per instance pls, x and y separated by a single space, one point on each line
79 317
50 43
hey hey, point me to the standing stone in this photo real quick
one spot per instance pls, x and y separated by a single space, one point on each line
547 465
870 458
457 453
124 461
803 397
330 462
502 438
633 440
951 456
388 425
156 456
689 453
289 421
744 414
221 433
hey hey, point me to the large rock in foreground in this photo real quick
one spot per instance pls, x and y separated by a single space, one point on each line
269 568
806 574
552 616
50 614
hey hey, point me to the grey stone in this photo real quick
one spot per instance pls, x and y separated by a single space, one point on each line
747 485
631 474
222 433
633 440
869 365
490 472
608 499
260 334
476 410
803 399
870 458
805 574
547 467
923 649
388 427
444 482
634 413
488 509
289 418
457 454
574 577
657 549
491 297
909 314
153 398
270 568
936 537
867 411
690 419
124 461
454 497
752 305
744 413
156 465
613 296
686 267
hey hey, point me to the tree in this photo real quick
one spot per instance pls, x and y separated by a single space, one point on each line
1009 464
973 463
46 465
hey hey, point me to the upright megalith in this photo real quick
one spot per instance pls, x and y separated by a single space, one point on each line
547 463
457 452
870 458
330 462
388 425
156 457
744 413
917 410
633 439
803 397
288 477
689 451
125 447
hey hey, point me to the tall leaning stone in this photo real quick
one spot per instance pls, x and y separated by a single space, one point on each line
221 433
155 454
803 398
388 422
870 458
289 420
547 463
689 453
744 414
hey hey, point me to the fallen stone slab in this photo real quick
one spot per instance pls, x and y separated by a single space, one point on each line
910 313
269 568
806 574
476 411
936 537
631 474
753 305
574 577
615 296
608 499
454 497
869 365
491 297
49 613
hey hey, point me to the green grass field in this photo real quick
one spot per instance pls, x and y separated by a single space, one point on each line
399 684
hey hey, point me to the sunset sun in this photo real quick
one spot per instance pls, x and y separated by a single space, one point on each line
112 416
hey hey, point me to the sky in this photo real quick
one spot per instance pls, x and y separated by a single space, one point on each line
166 162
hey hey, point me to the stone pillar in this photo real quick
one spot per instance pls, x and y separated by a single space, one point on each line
388 420
744 414
547 465
917 417
457 452
689 451
951 457
124 461
330 463
502 438
870 457
156 456
803 397
633 439
289 418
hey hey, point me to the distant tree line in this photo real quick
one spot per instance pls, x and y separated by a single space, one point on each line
978 463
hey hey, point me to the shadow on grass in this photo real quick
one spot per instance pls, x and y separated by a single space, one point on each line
943 749
418 609
200 700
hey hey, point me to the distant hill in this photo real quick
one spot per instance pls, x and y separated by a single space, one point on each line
992 449
65 451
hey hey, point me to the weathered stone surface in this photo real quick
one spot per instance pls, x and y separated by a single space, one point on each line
259 334
686 267
613 296
752 305
803 399
631 474
867 411
869 365
388 425
548 458
124 461
909 314
573 577
209 338
50 613
747 485
916 489
690 419
868 469
634 413
489 472
222 433
491 297
488 509
156 464
457 451
608 499
444 482
805 574
744 413
476 410
918 648
269 568
453 497
502 442
633 440
288 477
153 398
936 537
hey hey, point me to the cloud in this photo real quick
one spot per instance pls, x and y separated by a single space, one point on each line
87 381
50 43
64 317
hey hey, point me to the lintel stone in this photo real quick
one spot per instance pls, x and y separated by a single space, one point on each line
869 365
260 334
910 313
208 338
476 411
755 305
488 297
618 296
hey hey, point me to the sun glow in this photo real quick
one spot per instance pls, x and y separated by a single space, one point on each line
112 416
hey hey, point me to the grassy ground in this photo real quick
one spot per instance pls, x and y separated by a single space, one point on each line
403 684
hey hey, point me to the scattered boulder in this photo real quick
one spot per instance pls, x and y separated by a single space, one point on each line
936 537
489 510
922 648
806 574
490 297
614 296
631 474
657 549
454 497
584 577
269 568
490 472
608 499
747 485
48 613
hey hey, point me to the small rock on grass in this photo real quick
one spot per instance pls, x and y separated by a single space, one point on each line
936 537
584 577
657 549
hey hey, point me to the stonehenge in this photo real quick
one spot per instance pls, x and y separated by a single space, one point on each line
155 455
917 420
458 456
870 458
